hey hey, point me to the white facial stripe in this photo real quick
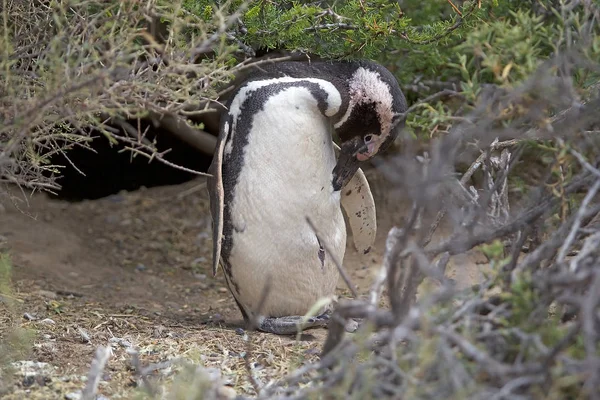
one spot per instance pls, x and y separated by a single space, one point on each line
367 86
346 114
334 99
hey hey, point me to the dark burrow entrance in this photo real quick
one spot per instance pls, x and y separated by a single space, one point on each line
110 169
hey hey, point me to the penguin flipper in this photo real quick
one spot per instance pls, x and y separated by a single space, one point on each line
359 206
217 195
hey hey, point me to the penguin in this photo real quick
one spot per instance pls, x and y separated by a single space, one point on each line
275 171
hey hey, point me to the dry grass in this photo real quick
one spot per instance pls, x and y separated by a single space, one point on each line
68 338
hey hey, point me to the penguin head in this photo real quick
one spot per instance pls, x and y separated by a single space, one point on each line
372 120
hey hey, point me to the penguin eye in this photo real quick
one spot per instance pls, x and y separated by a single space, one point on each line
368 139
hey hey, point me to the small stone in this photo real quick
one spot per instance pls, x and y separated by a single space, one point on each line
201 285
48 321
351 326
312 351
116 198
222 290
28 381
199 260
203 235
29 317
43 380
155 245
159 331
121 342
140 268
214 374
112 219
32 368
226 393
47 294
73 396
85 337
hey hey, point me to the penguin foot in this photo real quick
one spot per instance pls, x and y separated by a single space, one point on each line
293 324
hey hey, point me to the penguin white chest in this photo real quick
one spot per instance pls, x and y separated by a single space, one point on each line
286 177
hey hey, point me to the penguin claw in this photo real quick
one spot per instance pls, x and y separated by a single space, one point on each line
324 317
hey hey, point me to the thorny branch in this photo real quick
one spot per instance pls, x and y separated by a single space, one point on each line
159 82
472 350
104 87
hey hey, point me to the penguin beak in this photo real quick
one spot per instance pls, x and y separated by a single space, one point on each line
347 164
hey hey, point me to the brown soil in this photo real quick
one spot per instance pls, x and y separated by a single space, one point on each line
133 271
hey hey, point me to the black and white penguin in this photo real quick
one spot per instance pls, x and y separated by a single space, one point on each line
275 166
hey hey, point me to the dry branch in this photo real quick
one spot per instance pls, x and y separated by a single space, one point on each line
464 334
95 374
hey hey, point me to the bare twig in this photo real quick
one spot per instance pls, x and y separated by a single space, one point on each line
95 374
578 220
196 138
337 262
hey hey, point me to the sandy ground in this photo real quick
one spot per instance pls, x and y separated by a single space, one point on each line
132 271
